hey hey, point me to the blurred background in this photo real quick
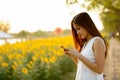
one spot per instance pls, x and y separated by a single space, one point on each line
32 30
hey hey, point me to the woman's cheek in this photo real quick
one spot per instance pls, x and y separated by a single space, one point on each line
82 36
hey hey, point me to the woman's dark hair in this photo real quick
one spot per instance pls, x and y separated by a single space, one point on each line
84 20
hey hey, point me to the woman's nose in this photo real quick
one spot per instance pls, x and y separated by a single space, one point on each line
77 31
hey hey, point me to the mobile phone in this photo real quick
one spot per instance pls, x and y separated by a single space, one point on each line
63 47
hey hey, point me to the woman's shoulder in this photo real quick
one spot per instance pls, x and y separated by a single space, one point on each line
98 39
99 42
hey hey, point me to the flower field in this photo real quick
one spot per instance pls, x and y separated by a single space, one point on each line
40 59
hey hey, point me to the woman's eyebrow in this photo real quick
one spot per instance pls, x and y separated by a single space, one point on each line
77 27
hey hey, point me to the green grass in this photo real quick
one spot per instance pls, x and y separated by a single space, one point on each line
69 76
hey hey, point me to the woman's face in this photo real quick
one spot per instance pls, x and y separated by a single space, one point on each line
81 31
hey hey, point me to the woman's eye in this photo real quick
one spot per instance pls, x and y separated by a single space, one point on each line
78 28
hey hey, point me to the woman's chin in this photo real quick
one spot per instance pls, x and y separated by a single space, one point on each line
82 37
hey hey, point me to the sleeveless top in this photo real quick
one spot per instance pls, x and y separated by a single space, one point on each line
84 72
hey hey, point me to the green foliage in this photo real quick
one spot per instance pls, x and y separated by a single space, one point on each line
71 1
38 71
40 34
110 21
66 32
68 64
109 13
23 33
53 72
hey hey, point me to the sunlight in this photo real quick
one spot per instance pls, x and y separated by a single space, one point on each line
46 15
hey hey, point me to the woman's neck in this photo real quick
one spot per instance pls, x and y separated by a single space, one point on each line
89 37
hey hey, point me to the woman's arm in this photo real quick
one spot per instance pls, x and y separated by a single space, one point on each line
99 50
75 59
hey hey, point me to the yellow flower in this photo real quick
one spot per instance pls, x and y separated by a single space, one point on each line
52 59
31 62
10 56
15 63
4 64
29 66
1 58
14 67
24 70
46 60
17 55
42 59
34 58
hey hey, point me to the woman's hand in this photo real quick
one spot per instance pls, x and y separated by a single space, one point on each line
70 52
74 52
67 52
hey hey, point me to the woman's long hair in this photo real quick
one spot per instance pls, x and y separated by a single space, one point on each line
84 20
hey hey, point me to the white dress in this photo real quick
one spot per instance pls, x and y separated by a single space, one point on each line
83 72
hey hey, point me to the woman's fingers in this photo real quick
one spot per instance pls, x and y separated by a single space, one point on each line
67 52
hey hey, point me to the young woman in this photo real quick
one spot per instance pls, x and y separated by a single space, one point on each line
90 48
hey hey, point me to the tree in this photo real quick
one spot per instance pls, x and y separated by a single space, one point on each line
4 26
40 33
71 1
22 34
67 32
110 11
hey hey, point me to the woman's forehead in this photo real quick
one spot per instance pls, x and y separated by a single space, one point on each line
76 26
